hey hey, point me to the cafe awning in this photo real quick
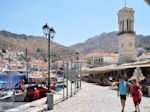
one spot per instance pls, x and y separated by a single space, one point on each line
104 69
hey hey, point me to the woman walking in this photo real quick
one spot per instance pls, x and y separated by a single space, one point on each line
136 94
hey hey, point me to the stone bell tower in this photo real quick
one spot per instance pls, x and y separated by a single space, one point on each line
126 36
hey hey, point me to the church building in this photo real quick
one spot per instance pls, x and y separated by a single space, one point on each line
126 36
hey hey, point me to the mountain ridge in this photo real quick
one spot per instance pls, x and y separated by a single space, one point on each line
15 42
104 42
107 42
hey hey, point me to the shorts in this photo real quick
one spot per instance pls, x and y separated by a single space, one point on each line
123 97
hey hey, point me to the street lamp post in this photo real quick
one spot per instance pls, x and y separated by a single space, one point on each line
27 65
50 32
77 56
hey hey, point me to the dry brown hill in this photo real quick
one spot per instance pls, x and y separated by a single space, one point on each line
107 42
14 42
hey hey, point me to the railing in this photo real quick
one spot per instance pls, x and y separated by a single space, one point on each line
72 76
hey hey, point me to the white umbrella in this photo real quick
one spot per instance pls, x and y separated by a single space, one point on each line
137 75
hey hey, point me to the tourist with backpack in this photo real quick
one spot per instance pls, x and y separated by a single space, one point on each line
122 91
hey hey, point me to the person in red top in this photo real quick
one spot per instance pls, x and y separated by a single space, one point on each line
21 82
136 94
36 94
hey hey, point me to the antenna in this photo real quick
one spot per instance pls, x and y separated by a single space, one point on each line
125 3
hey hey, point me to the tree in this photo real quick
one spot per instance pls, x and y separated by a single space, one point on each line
147 49
5 46
9 59
28 60
21 57
38 50
140 54
3 51
54 59
1 54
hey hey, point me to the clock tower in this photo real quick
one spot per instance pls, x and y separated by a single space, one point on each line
126 36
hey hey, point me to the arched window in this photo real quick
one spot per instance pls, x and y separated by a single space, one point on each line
122 26
130 25
127 25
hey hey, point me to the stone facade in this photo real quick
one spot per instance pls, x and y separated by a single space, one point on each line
126 36
101 59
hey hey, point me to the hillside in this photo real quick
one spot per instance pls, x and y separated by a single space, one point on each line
107 42
14 42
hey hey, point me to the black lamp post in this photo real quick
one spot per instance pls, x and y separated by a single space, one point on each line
77 57
49 33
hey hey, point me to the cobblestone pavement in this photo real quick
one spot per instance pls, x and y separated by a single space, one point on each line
94 98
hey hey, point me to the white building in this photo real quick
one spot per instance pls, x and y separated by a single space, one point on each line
102 59
145 56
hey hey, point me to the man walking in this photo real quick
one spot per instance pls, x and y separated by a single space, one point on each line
122 91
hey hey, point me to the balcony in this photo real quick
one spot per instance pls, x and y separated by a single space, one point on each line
126 32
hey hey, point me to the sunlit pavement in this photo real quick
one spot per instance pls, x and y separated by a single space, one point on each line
94 98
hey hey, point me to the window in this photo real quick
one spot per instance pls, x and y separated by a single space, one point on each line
122 26
130 26
127 25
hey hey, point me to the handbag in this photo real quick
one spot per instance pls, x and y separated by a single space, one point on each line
140 93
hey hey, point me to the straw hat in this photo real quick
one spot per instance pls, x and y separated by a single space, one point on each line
137 75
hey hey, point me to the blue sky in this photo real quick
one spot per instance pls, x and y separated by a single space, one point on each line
74 20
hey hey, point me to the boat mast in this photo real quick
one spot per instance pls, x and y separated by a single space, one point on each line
16 62
43 65
43 69
27 64
9 72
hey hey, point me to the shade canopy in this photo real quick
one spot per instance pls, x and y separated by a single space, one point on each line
105 69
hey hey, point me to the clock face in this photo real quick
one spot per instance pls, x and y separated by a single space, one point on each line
122 45
130 44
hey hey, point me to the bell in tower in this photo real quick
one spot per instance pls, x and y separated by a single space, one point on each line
126 36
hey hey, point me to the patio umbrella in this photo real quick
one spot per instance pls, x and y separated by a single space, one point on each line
137 75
